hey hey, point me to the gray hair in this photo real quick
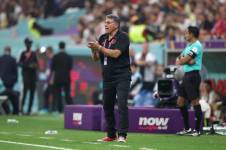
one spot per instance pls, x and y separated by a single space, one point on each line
114 18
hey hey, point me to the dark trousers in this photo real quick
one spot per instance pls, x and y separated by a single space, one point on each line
110 90
28 87
48 97
13 97
58 87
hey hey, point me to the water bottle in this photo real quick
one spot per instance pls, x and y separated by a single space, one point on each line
51 132
13 121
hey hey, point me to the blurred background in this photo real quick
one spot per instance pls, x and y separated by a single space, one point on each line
155 28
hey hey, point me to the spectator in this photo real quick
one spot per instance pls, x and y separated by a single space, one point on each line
29 64
52 8
208 15
8 75
219 28
176 14
36 29
223 110
213 100
146 63
136 81
205 106
49 90
60 68
3 18
137 29
132 56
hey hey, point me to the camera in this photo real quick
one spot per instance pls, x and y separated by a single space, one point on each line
167 87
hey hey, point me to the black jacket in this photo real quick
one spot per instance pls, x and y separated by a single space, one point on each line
61 67
8 70
29 66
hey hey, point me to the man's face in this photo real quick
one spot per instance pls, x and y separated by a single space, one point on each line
48 54
187 36
28 45
208 87
133 68
110 25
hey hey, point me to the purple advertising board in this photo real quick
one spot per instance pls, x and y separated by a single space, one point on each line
84 117
153 120
208 44
141 119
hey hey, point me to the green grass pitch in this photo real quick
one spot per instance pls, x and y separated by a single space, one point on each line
29 134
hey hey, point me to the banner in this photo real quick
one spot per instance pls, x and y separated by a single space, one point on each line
141 119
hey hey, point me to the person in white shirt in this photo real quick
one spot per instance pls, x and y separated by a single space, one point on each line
146 63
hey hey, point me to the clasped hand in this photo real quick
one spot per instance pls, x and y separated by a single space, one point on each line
94 46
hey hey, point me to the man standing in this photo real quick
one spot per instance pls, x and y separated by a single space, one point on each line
29 64
146 62
61 67
191 60
48 93
8 75
113 51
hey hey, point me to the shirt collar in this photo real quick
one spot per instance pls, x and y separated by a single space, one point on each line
116 35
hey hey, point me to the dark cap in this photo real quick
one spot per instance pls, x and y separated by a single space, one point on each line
28 41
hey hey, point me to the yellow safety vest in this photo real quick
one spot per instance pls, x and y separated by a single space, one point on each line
35 33
136 33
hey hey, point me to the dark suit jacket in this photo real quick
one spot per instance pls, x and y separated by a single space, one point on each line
29 67
8 70
61 67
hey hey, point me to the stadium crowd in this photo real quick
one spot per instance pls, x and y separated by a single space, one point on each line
157 18
152 18
12 11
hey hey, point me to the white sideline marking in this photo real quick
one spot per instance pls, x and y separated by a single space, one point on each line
145 148
94 143
6 133
28 132
124 146
36 145
47 138
66 140
23 135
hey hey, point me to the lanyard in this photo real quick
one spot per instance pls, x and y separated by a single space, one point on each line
105 44
105 57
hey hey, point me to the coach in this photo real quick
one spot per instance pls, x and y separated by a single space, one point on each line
113 51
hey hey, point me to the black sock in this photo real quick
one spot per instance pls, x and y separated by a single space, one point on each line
198 117
207 122
184 113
